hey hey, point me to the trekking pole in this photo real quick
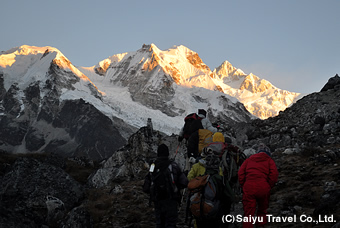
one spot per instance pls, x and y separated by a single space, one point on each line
188 214
182 198
179 144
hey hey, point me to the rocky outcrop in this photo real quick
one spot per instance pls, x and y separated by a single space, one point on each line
333 83
313 121
197 62
35 193
132 161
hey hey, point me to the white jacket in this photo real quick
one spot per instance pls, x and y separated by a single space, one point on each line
207 124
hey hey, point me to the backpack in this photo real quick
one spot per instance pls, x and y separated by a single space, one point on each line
163 184
204 139
204 202
216 148
231 157
188 120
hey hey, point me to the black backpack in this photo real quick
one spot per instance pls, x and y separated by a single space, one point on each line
160 184
188 121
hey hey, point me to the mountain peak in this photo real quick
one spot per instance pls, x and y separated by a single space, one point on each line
150 48
254 84
150 67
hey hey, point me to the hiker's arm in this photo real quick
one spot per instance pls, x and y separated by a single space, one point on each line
207 125
193 145
192 173
180 179
147 183
242 173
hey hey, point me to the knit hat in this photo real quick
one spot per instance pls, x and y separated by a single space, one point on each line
263 148
218 137
206 151
212 161
203 112
162 151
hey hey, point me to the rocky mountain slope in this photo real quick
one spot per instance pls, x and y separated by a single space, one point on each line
48 190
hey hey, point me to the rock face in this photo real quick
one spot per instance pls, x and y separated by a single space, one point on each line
131 161
72 127
34 193
93 133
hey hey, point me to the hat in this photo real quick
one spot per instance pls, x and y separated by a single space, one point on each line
203 112
162 151
212 161
263 148
206 151
218 137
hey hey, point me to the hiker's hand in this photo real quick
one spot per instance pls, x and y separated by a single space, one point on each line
180 138
192 160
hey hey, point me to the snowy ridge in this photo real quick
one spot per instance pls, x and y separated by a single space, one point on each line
186 69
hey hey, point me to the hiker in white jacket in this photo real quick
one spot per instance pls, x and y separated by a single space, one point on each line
205 121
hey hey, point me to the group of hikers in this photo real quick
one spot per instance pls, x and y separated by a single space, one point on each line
216 174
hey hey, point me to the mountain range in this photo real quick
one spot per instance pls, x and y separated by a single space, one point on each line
48 104
187 69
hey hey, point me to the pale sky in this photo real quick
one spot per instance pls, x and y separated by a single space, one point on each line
294 44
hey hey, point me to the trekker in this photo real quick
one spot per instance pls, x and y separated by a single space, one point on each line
198 169
224 195
205 121
165 182
193 141
257 176
229 153
187 129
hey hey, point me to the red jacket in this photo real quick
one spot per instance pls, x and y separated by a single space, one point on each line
258 169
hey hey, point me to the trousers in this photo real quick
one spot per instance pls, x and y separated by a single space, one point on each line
166 213
255 194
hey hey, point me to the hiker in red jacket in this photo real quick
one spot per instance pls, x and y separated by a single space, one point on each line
257 175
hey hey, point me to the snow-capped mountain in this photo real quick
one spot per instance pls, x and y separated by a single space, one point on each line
259 96
153 68
48 104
